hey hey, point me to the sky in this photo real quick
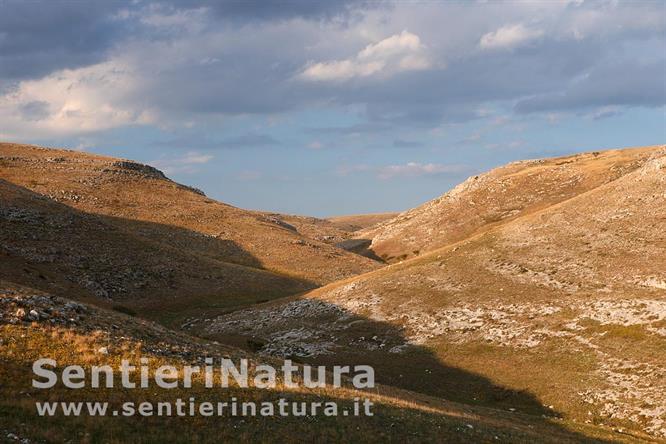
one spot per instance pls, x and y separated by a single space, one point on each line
332 107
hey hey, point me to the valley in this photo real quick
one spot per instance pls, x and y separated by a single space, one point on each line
528 302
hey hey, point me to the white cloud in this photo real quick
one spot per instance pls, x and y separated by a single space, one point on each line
509 37
193 157
74 101
160 17
400 52
184 164
605 111
396 45
410 169
417 169
315 145
178 66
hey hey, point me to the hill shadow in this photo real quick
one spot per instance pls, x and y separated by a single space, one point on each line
421 420
321 333
158 270
162 272
360 247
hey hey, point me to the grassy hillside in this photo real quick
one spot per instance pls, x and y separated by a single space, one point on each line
562 308
112 261
544 319
120 232
83 335
129 191
496 197
358 222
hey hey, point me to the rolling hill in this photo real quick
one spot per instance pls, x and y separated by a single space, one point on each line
358 222
554 297
527 304
34 324
496 197
121 232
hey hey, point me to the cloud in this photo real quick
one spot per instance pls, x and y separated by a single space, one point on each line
399 52
39 37
194 157
509 37
606 86
315 145
34 111
196 140
249 140
74 101
605 112
185 164
171 21
279 10
193 140
400 143
413 169
75 69
352 130
346 170
410 169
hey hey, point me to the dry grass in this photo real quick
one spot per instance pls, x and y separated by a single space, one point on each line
499 196
108 187
534 311
358 222
121 231
399 415
563 303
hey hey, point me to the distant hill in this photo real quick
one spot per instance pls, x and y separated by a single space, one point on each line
360 221
538 287
496 197
528 304
121 232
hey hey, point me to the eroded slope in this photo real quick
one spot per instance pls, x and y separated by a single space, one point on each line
106 260
35 325
566 303
496 197
140 198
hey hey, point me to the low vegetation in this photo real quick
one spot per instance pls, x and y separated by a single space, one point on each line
527 304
